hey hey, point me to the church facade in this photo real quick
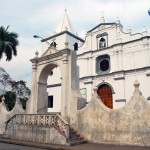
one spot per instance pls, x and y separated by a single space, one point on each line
108 58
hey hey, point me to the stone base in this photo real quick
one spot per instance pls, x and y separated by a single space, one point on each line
35 133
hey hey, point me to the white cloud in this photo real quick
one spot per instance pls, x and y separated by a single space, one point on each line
20 67
37 17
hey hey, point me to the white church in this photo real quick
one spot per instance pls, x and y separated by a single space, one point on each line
108 57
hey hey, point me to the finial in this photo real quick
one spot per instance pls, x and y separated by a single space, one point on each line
66 29
76 33
36 54
65 9
137 91
102 17
129 29
117 21
136 84
144 29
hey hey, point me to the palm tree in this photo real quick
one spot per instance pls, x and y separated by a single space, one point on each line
8 43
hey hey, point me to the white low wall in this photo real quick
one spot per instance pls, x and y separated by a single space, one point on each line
128 125
5 115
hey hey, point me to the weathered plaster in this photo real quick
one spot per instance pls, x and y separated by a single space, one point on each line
5 114
42 134
128 125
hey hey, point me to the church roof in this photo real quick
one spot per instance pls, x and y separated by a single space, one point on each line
101 25
65 24
63 32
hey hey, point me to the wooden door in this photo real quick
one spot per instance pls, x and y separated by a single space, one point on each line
105 93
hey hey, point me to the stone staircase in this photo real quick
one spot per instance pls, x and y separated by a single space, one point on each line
37 127
75 138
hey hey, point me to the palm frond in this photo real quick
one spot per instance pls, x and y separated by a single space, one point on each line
8 43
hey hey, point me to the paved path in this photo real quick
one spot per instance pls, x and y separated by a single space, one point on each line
88 146
5 146
92 146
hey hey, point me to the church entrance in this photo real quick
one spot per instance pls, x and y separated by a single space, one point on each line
105 93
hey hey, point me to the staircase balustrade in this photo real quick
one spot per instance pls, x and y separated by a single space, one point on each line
41 120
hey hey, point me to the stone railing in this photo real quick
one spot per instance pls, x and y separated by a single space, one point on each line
42 120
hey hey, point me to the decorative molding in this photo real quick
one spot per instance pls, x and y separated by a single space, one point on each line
112 46
113 92
88 82
41 120
119 78
50 57
120 100
116 72
101 24
54 85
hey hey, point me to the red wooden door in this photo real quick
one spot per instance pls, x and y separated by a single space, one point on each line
105 93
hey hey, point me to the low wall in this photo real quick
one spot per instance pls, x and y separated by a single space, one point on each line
5 114
34 133
128 125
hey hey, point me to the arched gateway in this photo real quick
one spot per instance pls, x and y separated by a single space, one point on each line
41 67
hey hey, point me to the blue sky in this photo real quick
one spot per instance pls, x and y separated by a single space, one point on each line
30 17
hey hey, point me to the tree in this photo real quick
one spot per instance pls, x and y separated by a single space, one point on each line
10 99
5 80
19 87
8 43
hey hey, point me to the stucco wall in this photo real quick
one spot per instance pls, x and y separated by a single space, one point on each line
5 114
128 125
34 133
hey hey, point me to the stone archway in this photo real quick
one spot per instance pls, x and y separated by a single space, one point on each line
42 104
41 66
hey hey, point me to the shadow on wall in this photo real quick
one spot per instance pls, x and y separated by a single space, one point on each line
127 125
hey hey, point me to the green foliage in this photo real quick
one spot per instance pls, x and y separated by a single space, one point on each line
8 43
10 99
23 102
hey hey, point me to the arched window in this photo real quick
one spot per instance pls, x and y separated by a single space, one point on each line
102 40
102 43
53 44
75 46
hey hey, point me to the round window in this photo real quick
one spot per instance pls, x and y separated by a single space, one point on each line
104 65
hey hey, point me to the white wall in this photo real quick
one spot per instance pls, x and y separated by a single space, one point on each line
60 41
123 57
56 90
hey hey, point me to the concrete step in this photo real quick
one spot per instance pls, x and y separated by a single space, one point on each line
73 143
75 138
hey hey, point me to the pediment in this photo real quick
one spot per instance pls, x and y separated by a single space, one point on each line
49 51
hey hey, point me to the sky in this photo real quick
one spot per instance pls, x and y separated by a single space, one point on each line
41 17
